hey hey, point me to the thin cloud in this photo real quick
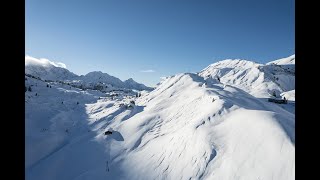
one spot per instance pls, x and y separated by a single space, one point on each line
148 71
43 62
59 64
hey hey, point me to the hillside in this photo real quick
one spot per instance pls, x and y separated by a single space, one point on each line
258 79
190 127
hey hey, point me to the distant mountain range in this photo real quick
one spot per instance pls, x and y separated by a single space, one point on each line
48 70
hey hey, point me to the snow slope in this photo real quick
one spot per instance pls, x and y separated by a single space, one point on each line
289 95
284 61
257 79
189 127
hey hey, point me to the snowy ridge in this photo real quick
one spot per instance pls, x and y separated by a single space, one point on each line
257 79
189 127
194 137
284 61
47 69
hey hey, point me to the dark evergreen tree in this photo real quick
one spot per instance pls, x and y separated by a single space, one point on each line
29 89
274 94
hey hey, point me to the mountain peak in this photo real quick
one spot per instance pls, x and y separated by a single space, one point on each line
257 79
284 61
95 73
135 85
47 69
130 80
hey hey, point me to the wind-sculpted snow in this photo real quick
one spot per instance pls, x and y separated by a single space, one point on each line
189 127
257 79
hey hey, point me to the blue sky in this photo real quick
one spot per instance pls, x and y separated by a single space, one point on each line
148 39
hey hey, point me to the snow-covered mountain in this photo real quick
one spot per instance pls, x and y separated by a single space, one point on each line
48 70
131 84
98 76
285 61
191 126
258 79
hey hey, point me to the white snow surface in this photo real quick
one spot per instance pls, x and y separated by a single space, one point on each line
190 127
285 61
289 95
257 79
